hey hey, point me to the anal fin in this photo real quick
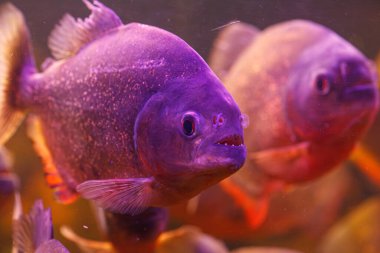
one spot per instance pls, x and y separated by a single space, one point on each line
125 196
62 192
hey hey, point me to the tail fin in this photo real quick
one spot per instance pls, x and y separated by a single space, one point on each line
16 63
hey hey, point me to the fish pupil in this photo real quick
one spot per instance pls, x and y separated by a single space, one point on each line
188 125
323 85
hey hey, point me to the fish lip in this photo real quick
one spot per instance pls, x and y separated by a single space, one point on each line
234 140
359 91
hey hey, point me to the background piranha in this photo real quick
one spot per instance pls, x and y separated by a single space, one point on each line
130 116
309 102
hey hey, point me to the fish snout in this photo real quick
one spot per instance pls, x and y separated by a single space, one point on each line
218 120
355 73
359 81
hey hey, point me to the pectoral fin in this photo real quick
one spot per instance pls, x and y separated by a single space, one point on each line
129 195
275 160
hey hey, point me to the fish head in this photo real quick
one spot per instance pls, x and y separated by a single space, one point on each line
190 135
332 91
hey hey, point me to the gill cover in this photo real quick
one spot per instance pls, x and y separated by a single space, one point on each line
146 132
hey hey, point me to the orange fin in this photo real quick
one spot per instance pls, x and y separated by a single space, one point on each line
367 163
62 192
255 209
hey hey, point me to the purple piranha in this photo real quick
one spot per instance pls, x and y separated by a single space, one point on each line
129 116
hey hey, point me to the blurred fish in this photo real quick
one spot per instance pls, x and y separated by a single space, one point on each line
189 239
294 213
186 239
264 250
311 96
86 245
129 116
9 182
33 232
358 232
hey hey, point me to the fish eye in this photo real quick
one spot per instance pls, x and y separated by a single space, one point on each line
323 85
189 124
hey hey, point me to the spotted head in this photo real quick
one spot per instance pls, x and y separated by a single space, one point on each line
190 135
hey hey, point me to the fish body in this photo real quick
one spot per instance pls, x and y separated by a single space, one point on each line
129 116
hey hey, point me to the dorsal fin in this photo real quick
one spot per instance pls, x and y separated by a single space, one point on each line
229 45
71 34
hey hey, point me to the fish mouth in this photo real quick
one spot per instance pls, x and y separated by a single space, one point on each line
364 91
234 140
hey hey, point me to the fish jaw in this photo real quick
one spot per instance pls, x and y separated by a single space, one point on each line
213 161
365 95
228 152
216 160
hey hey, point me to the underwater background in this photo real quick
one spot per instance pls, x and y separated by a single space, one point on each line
198 23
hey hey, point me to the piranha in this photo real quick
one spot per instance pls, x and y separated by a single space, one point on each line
310 95
129 116
33 232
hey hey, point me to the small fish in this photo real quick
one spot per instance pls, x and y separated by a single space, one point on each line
33 232
311 96
129 116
